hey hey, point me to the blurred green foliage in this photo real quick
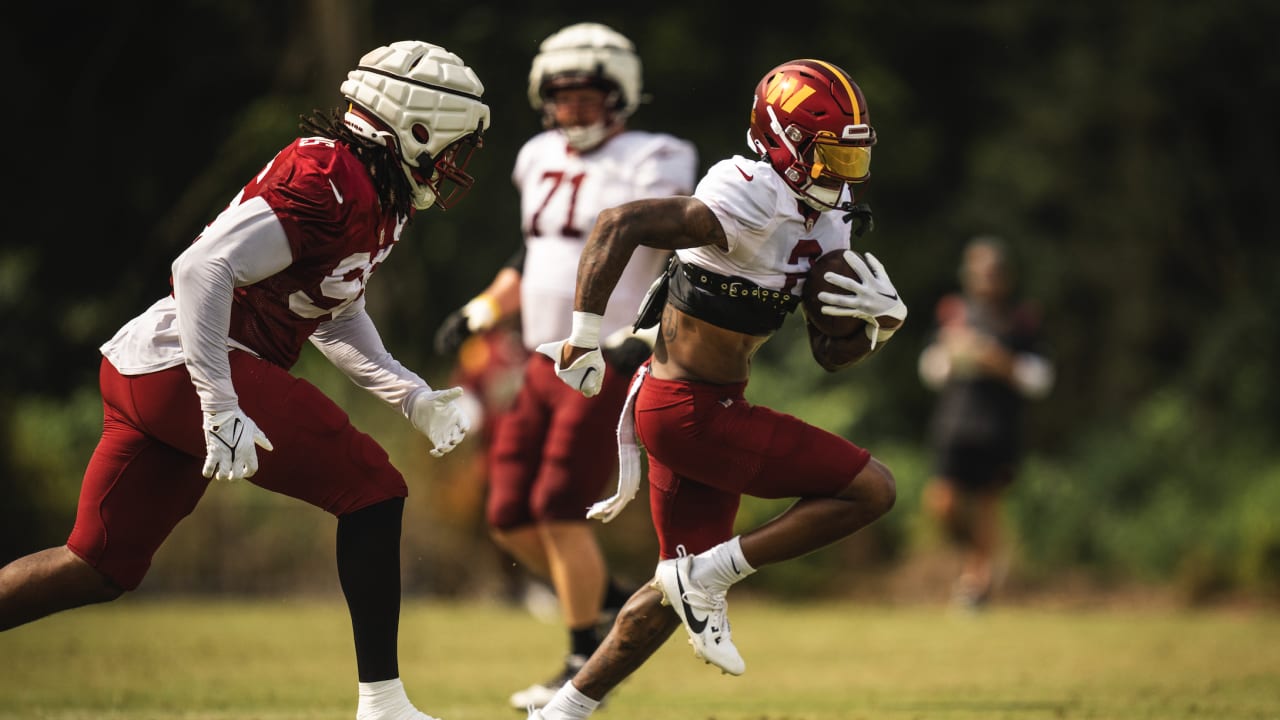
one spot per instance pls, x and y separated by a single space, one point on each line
1127 151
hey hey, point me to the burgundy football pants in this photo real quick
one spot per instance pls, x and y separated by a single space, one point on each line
145 474
708 447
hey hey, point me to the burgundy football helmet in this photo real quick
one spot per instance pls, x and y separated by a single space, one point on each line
810 120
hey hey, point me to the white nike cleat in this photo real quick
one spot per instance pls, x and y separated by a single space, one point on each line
703 611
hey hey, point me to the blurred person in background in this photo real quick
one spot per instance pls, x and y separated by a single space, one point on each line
985 361
198 387
489 368
744 244
554 453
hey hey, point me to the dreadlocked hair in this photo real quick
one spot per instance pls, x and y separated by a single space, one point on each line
381 161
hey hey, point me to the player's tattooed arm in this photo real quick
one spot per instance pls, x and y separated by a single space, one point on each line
667 223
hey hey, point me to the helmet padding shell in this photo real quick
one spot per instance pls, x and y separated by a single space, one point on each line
425 95
588 54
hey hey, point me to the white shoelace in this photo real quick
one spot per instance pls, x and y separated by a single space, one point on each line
714 604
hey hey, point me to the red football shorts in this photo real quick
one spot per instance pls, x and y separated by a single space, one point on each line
708 447
145 474
555 450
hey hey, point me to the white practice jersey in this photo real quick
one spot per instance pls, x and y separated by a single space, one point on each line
561 193
769 241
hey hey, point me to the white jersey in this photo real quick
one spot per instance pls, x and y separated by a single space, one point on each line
769 241
561 193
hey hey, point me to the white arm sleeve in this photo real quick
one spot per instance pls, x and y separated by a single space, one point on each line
243 245
352 343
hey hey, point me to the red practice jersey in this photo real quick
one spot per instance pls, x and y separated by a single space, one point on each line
339 234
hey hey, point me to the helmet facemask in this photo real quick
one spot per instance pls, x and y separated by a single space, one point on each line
825 166
583 137
449 181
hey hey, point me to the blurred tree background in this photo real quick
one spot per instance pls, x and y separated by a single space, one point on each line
1128 152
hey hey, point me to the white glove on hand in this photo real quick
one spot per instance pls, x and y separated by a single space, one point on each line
869 299
481 313
586 374
436 414
229 439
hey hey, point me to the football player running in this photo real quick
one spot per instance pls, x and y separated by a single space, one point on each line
553 454
198 387
744 242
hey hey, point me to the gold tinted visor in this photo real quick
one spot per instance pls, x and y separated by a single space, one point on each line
851 163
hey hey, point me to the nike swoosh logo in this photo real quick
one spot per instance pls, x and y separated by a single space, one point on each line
695 624
585 377
733 564
745 176
887 295
237 430
335 192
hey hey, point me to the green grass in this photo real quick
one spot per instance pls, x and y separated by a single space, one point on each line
291 659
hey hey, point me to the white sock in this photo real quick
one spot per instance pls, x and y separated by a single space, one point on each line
386 700
723 564
569 704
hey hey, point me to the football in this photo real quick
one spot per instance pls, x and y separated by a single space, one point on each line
830 325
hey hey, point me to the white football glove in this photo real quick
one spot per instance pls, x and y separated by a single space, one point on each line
436 414
870 299
229 439
586 374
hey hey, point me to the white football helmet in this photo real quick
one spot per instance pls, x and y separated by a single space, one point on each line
423 101
587 54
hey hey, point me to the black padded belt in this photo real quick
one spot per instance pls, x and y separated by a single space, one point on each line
728 301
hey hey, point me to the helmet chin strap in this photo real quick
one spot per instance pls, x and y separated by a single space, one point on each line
423 196
827 197
586 137
819 198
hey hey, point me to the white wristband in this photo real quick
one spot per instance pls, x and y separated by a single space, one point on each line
586 330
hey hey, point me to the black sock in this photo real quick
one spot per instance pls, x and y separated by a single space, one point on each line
583 642
615 596
369 570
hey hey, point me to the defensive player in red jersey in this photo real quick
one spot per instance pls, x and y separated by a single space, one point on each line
553 455
744 243
198 387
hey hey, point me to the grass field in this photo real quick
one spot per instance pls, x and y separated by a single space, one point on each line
290 659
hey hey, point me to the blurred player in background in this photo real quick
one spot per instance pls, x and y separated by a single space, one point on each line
744 243
198 385
554 453
489 369
985 362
